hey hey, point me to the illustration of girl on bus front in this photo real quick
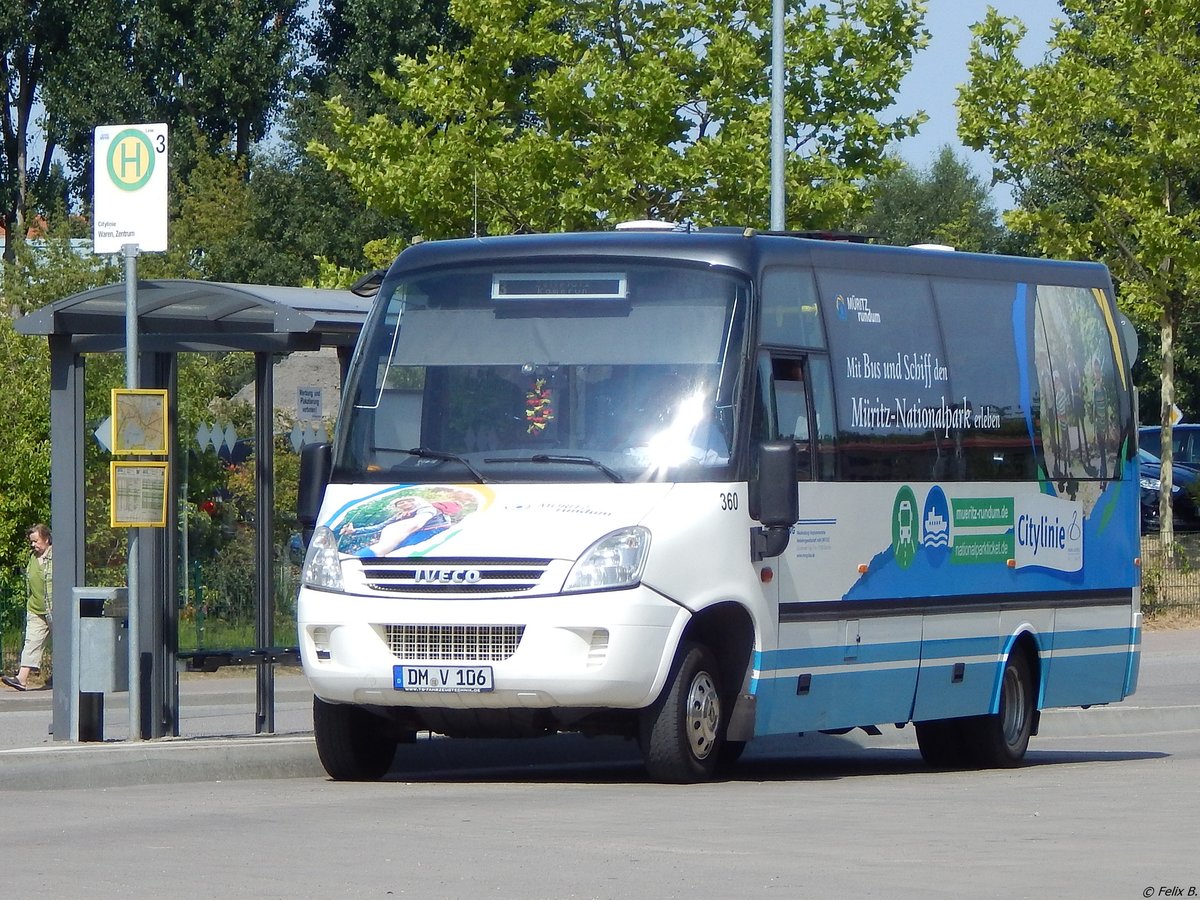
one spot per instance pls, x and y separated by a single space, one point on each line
382 525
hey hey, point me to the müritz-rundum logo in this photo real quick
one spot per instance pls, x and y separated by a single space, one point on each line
856 308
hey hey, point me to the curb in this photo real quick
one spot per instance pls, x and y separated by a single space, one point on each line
1119 720
166 761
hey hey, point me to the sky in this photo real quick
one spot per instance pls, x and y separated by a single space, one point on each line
941 67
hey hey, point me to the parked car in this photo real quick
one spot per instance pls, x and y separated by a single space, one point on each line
1185 442
1185 481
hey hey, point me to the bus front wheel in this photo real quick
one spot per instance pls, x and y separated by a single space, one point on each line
681 734
353 743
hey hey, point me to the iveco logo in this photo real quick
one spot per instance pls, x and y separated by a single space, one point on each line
447 576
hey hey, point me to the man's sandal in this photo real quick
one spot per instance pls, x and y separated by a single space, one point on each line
12 682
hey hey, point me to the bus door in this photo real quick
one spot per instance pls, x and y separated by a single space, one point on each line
838 666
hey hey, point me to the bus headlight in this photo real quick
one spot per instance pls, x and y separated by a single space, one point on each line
323 563
614 561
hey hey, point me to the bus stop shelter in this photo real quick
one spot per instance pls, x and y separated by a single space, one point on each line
173 317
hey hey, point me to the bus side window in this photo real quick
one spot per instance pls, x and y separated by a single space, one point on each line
792 411
820 398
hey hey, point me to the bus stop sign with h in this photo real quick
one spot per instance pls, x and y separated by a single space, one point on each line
129 215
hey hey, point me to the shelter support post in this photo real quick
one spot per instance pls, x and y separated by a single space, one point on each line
67 521
264 588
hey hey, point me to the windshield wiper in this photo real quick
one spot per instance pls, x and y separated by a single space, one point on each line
443 456
559 458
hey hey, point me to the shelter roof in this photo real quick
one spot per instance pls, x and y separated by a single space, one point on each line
182 315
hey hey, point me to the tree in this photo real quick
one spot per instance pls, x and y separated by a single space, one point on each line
205 67
301 216
46 45
212 231
1113 113
40 273
946 203
567 114
306 217
353 39
223 66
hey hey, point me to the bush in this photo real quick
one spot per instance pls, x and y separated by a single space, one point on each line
1170 580
12 617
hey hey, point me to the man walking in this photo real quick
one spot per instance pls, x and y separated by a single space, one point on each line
39 580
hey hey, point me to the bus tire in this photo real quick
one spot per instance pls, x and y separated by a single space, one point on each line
729 754
943 743
353 744
682 732
1000 740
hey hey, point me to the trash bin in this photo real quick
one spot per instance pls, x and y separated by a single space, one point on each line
103 631
100 655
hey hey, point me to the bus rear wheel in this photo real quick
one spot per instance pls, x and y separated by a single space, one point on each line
682 733
1000 740
354 744
943 743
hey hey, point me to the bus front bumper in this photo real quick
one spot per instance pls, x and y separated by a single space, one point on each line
610 649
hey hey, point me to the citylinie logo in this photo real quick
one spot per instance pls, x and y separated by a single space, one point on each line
130 160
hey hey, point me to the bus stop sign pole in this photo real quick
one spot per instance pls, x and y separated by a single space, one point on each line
131 381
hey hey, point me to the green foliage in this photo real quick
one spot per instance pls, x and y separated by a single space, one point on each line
39 44
1170 578
943 204
220 520
302 216
562 114
310 227
42 272
229 579
45 270
24 479
207 236
354 39
275 227
221 65
1100 141
1115 116
12 616
209 69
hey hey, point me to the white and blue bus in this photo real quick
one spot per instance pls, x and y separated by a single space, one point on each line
695 488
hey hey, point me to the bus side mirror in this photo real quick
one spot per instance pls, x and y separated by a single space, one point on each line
315 464
774 499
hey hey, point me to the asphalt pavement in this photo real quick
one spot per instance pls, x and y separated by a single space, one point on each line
217 739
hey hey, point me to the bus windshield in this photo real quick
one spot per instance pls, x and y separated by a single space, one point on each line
615 371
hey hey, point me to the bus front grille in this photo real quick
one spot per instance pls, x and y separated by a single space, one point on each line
454 643
453 576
